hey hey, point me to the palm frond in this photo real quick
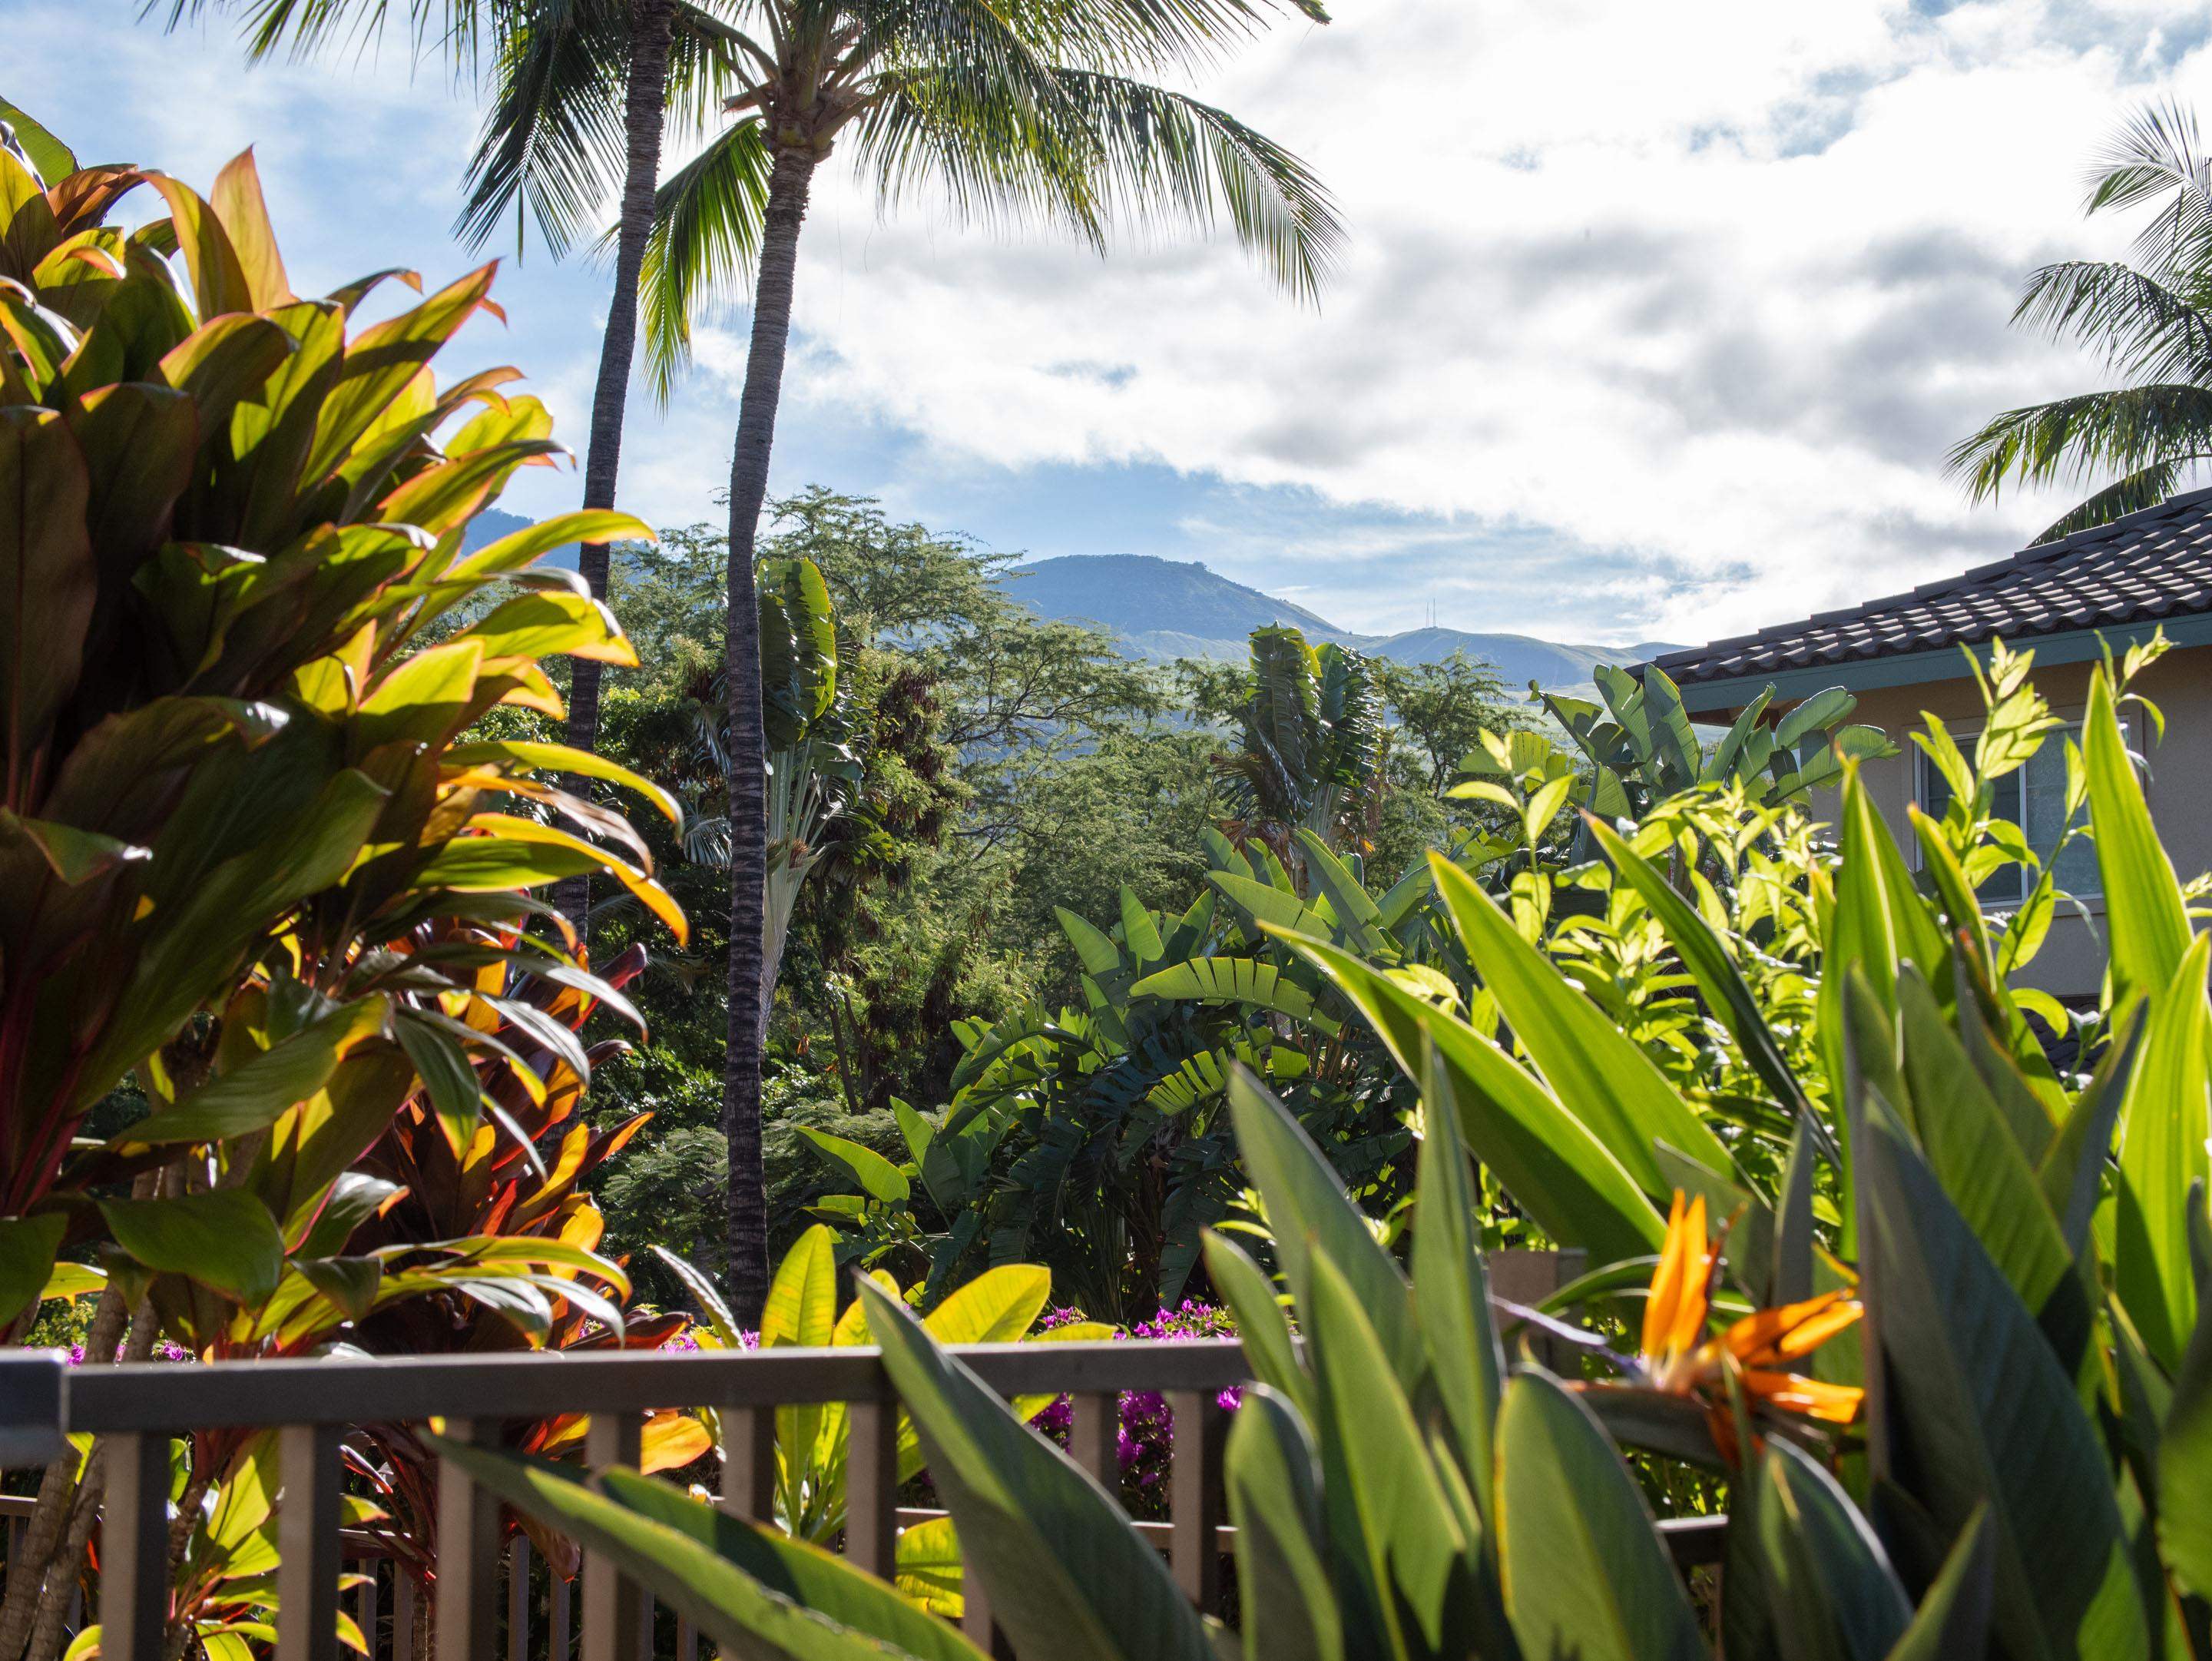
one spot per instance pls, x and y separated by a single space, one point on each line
708 60
2158 152
1158 152
2142 326
450 29
2124 431
706 238
2145 487
554 138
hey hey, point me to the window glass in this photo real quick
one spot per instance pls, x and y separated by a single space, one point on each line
2033 798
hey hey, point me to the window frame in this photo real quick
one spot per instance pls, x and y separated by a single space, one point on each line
1965 734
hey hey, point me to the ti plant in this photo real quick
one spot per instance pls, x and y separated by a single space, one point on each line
233 756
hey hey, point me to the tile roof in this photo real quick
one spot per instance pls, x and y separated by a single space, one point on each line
2156 563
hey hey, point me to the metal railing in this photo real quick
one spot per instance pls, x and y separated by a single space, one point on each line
132 1411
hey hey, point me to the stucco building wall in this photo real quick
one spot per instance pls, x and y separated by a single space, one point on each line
2178 788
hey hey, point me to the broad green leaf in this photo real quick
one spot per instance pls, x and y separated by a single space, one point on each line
1451 1289
1309 1213
1980 1411
2184 1453
1269 1348
45 603
1557 1169
1237 980
1585 1573
1260 904
27 1246
884 1182
2165 1121
456 1095
1954 1616
927 1568
1283 1582
1097 951
253 1094
1382 1496
224 1238
1067 1575
1357 914
564 758
758 1594
1139 932
997 1307
2144 914
520 548
801 1309
1584 1057
1831 1591
54 159
237 201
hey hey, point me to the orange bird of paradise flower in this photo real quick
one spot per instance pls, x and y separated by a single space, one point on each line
1675 1358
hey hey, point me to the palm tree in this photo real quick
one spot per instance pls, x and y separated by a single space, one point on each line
2151 320
1039 109
1309 752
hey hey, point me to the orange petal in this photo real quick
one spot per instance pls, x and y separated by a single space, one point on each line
1697 1283
1838 1404
1789 1330
1666 1283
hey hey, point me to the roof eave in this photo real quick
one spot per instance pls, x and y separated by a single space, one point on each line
1912 668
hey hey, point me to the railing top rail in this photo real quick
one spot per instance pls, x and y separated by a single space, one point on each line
167 1396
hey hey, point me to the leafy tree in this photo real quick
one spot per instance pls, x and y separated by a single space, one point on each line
1442 709
2151 320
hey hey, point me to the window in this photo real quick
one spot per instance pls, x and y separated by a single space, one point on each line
2032 797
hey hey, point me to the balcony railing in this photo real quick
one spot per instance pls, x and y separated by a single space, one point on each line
133 1411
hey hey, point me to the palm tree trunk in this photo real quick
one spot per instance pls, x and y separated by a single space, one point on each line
788 186
647 98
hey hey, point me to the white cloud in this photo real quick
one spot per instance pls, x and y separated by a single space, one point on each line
1712 287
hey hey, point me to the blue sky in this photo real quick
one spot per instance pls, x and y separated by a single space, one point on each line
1656 320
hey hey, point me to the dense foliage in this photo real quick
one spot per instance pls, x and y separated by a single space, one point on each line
1948 1367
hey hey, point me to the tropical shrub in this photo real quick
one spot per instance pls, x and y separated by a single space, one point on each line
256 854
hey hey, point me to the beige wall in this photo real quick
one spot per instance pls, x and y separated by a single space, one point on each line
2179 789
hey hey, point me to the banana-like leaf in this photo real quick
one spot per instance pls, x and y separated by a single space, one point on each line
1096 950
1954 1616
1556 1167
1311 1213
256 1092
1979 1410
1585 1571
2144 911
1065 1573
1261 1324
1283 1586
27 1246
1584 1057
758 1594
1452 1290
2185 1450
1234 980
884 1182
2164 1122
1831 1593
1386 1507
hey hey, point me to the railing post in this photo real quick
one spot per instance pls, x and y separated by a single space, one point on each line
468 1556
1195 1496
872 1487
518 1600
365 1609
563 1593
402 1613
611 1603
134 1570
1094 1436
749 1463
1518 1275
307 1544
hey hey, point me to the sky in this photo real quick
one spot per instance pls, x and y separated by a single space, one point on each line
1655 321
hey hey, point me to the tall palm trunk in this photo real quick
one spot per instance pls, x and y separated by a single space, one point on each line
788 184
646 104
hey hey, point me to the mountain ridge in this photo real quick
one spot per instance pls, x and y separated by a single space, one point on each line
1163 610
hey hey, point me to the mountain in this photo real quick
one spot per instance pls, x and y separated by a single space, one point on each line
489 525
1163 610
